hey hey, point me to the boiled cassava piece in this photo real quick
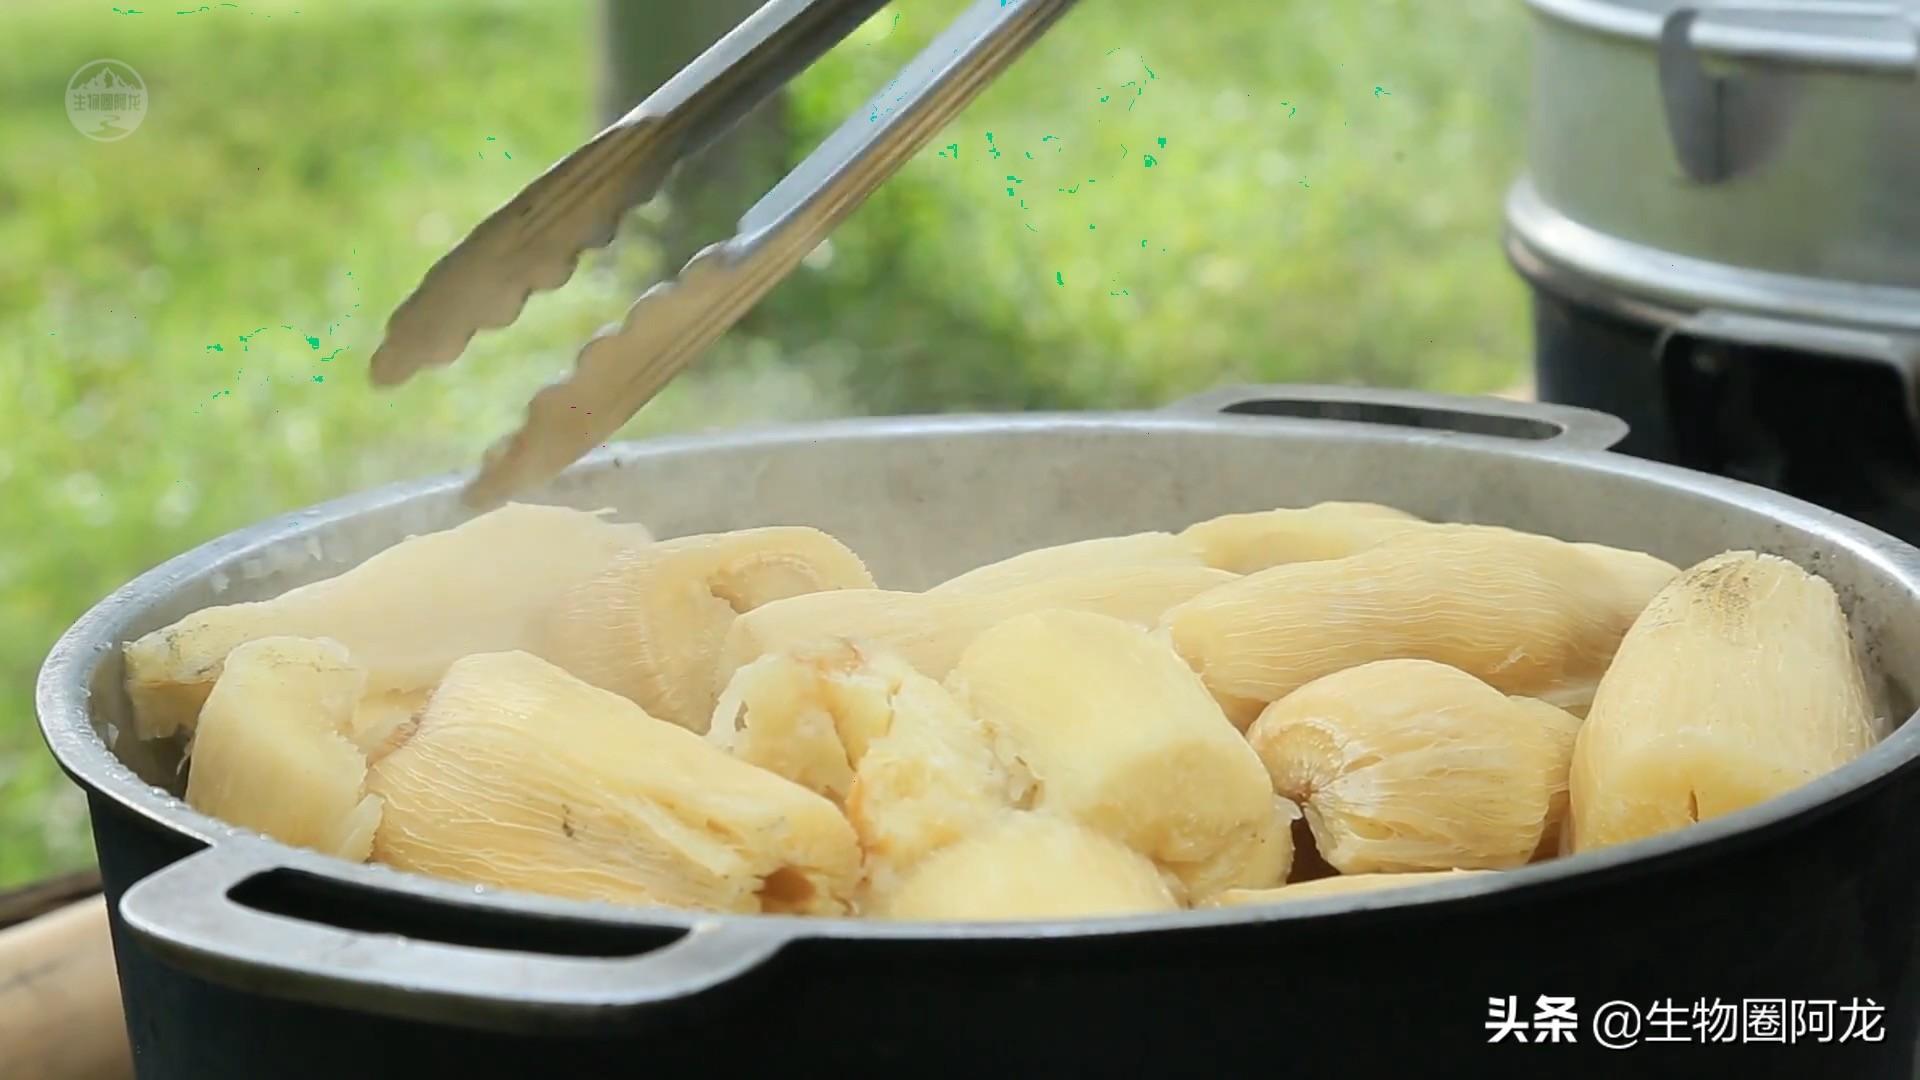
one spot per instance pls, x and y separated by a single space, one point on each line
1078 558
403 615
541 700
914 771
1338 886
521 776
1738 683
650 626
1031 866
1407 765
1120 736
1250 542
381 720
929 630
272 750
1562 726
1528 614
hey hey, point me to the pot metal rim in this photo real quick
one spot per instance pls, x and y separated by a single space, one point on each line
1843 38
1653 284
62 693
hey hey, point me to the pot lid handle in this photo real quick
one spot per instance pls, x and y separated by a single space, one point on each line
1558 426
1723 126
187 913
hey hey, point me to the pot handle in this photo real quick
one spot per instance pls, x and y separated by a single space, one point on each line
1723 126
186 913
1900 352
1540 422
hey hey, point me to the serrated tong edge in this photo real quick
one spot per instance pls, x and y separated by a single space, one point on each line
534 242
625 364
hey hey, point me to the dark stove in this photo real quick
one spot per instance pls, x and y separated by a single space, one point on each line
1837 432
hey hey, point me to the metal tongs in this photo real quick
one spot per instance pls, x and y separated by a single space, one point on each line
534 241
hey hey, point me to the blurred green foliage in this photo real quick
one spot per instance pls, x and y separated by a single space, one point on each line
185 314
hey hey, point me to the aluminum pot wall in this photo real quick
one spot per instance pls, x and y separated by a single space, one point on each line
244 958
1774 136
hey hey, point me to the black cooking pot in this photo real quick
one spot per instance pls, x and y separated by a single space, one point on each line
242 957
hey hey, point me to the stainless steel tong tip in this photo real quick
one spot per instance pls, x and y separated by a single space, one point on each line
533 242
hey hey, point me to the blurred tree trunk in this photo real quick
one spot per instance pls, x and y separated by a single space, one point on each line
643 43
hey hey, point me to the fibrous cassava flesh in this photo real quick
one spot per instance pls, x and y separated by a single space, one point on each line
1737 683
650 626
515 702
1405 765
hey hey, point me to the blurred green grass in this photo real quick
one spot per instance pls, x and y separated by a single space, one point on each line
185 314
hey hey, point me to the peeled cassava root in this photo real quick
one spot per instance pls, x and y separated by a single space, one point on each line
1240 543
380 721
929 630
544 701
519 775
650 626
913 770
1405 765
1118 735
1249 543
1078 558
273 751
1527 614
1736 684
1337 886
403 615
1028 866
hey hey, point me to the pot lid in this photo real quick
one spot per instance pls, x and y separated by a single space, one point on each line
1870 34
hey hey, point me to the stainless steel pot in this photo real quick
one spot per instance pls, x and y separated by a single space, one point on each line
1719 226
242 956
1740 171
1742 155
